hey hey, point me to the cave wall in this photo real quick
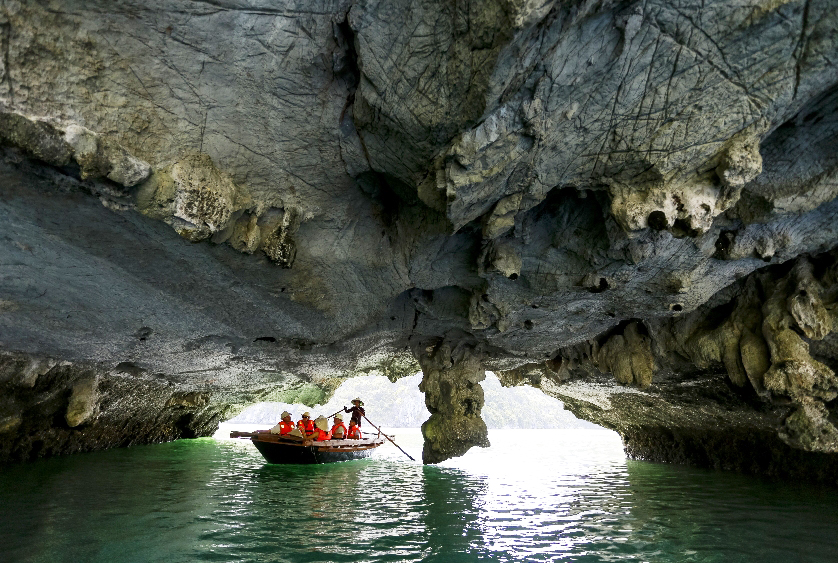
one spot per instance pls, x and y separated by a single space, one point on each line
242 194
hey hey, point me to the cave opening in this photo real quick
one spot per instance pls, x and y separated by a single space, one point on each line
399 407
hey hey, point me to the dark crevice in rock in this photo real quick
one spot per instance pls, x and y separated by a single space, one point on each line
143 333
657 221
130 368
5 45
389 195
600 286
346 67
681 228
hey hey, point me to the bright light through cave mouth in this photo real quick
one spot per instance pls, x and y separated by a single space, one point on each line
512 414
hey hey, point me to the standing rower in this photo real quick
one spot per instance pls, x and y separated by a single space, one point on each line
357 411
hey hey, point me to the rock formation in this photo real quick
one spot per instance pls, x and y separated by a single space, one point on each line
632 205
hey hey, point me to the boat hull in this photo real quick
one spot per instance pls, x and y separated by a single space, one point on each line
293 454
277 449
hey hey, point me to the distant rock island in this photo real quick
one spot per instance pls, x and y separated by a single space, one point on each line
400 404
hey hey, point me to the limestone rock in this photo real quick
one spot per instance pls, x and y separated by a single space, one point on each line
189 399
100 157
793 371
504 259
628 356
246 234
755 359
451 383
9 423
82 401
363 178
277 238
739 164
35 368
58 143
40 139
204 198
809 429
502 218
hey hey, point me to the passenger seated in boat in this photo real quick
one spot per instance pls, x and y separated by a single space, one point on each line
306 425
285 425
321 429
357 411
339 428
354 433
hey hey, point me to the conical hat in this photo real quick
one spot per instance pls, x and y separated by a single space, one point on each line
322 423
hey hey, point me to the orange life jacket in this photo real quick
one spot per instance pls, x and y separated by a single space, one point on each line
354 433
307 425
285 427
339 425
321 435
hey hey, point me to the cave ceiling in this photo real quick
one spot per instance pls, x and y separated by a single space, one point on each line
240 194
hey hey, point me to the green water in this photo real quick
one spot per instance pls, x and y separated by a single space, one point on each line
579 500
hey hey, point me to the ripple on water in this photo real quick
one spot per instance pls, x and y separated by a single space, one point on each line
207 500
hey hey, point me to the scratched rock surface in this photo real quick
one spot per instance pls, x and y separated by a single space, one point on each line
250 197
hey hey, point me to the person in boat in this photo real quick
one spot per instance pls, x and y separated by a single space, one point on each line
339 428
285 426
357 411
321 429
305 424
354 433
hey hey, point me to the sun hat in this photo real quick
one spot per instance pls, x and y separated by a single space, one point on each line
284 414
306 414
339 417
321 423
357 400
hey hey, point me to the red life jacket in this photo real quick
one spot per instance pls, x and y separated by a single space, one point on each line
308 425
354 433
339 425
321 435
285 427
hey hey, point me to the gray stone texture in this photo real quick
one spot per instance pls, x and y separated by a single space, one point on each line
249 196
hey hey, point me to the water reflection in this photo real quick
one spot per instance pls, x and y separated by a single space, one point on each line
687 514
576 501
454 502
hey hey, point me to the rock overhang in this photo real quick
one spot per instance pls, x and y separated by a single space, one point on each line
562 176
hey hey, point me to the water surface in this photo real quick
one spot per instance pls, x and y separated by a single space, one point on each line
541 495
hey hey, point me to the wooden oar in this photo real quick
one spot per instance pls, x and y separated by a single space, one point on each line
388 437
374 434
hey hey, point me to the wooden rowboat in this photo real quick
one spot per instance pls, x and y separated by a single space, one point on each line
280 449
